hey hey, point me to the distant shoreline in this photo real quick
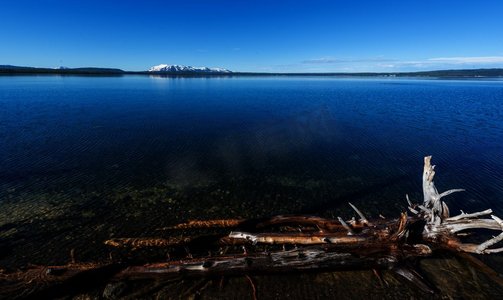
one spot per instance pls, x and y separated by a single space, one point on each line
464 73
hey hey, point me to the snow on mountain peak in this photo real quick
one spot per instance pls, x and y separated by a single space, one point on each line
179 68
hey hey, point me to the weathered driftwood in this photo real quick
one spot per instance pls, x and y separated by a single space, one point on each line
42 282
441 229
222 223
135 243
285 243
307 258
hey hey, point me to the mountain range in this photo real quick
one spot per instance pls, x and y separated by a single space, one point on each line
185 69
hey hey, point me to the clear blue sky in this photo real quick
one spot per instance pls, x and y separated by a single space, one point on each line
272 36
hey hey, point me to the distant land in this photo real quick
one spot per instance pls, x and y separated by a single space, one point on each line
178 70
7 69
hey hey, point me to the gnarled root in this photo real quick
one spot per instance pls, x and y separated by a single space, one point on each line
441 227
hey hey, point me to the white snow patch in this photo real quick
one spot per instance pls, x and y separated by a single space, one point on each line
180 68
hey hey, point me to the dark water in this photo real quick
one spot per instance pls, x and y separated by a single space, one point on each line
83 159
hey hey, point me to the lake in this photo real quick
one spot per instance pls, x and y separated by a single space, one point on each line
83 159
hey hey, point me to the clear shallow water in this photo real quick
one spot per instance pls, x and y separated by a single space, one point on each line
86 158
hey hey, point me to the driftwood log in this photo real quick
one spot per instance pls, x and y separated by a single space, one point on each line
279 244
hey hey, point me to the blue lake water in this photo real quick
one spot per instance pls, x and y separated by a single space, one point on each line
83 159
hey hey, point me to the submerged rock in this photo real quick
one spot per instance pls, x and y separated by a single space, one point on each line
114 290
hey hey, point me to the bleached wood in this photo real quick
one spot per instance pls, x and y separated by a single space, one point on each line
450 192
441 226
362 216
413 211
482 247
496 250
300 239
468 216
465 224
345 225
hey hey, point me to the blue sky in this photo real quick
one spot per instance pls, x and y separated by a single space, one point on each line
263 36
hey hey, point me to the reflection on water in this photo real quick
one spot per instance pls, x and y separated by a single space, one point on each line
83 159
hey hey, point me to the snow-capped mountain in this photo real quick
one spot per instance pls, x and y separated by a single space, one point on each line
182 69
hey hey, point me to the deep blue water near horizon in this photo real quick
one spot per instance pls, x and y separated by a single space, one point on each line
86 158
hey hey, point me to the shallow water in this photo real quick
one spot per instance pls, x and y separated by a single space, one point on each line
83 159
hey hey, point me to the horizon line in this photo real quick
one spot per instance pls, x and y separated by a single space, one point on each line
19 69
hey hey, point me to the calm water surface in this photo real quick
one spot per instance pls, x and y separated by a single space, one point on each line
83 159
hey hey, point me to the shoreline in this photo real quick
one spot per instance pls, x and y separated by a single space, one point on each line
464 73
